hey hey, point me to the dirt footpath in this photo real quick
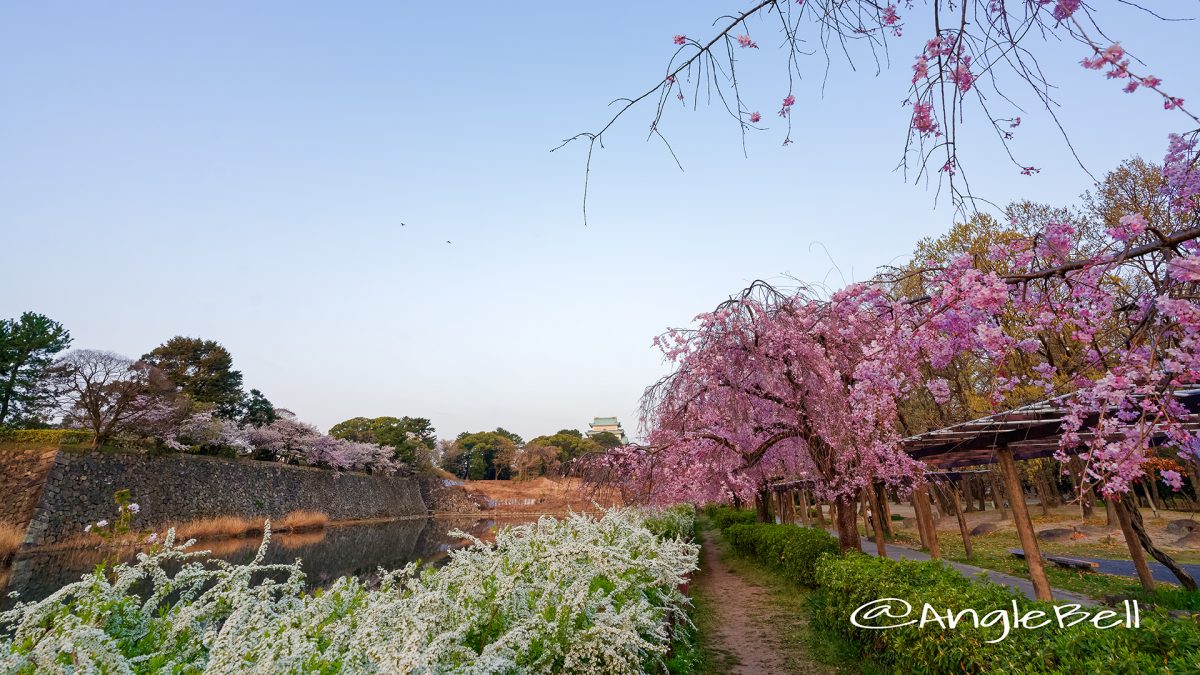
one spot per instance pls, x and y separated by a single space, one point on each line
748 626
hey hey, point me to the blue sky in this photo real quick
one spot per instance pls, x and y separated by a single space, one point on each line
239 171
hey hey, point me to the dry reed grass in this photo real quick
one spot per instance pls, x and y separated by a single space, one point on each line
229 527
10 540
220 527
299 521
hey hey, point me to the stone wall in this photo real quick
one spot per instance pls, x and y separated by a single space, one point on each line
23 472
78 488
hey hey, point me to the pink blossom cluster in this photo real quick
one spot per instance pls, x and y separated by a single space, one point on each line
287 440
783 385
922 119
786 108
1181 173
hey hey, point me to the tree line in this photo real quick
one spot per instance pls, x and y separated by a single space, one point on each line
183 396
503 455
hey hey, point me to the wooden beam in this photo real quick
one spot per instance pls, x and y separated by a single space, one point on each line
1016 501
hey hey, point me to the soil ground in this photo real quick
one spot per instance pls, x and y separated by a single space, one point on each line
537 496
749 626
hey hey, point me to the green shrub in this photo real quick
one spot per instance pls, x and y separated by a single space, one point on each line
1171 597
724 516
792 550
1162 644
674 522
46 436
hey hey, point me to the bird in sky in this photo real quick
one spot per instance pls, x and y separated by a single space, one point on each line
447 241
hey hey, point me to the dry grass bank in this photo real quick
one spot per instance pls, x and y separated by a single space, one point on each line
540 495
10 540
227 527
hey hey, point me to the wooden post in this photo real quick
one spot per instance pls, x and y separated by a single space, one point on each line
881 498
921 532
1131 542
820 512
981 491
877 519
1039 486
962 522
805 518
925 513
863 500
1155 499
1016 500
997 495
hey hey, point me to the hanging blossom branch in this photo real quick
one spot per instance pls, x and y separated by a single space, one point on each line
704 55
976 47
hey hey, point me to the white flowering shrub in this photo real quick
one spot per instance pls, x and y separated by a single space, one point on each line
576 595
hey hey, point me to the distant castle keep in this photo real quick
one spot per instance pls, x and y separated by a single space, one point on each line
609 424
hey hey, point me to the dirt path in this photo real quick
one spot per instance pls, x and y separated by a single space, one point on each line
749 627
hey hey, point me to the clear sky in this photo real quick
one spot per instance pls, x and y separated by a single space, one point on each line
240 171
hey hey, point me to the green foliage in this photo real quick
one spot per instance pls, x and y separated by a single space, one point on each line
1170 597
477 468
675 522
27 348
485 455
607 439
203 370
794 551
257 411
1162 644
517 440
568 444
413 438
725 516
54 437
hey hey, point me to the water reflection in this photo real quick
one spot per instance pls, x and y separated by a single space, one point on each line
335 551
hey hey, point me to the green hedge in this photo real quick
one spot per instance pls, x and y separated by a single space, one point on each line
794 551
1161 644
45 436
724 516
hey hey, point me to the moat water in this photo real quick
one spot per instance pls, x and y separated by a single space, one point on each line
337 550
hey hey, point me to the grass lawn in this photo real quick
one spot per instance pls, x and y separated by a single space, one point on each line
991 552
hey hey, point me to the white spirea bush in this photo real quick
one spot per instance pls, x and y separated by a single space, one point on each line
576 595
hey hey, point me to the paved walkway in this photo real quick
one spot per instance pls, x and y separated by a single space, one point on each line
1124 568
1022 585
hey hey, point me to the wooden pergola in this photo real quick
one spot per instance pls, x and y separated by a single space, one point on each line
1028 432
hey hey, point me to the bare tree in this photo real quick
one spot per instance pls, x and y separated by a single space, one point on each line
109 393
